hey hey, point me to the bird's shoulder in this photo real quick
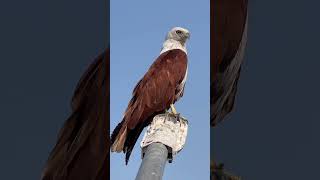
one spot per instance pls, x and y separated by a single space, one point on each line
168 61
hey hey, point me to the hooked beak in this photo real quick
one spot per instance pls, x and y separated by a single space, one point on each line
188 35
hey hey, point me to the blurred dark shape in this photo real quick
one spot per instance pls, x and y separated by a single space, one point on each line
82 148
228 41
229 26
219 173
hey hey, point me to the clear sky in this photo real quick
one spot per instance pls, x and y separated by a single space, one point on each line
138 29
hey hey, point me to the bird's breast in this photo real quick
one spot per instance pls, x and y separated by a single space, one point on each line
180 87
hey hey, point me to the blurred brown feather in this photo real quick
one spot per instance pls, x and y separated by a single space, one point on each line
229 26
82 148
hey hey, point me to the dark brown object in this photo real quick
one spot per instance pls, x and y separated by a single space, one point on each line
82 149
228 22
219 173
153 94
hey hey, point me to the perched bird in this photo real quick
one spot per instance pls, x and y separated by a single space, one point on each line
228 41
155 93
82 148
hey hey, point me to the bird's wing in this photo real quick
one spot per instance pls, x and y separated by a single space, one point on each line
229 39
157 89
81 151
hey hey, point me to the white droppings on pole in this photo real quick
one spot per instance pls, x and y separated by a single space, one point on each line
164 139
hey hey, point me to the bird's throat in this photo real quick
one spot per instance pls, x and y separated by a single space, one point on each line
171 44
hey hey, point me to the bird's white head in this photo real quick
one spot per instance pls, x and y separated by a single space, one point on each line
179 34
176 39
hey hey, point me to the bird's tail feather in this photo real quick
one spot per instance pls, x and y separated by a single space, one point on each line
132 138
118 137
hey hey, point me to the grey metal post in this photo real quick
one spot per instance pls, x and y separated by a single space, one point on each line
153 162
164 138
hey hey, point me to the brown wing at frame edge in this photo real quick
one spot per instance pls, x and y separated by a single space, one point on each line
82 148
229 39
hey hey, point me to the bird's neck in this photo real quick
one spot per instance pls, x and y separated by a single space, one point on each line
171 44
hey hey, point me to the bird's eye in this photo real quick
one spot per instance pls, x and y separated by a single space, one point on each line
179 32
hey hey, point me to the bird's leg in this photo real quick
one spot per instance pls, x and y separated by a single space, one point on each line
173 109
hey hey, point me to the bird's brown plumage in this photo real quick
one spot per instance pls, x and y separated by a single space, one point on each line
227 46
81 151
152 95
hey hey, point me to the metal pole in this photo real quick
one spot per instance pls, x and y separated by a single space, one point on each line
153 162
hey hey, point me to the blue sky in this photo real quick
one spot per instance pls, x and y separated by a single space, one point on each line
138 29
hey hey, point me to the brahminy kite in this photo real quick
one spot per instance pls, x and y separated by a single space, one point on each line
155 93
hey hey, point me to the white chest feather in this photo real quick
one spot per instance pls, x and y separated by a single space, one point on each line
171 44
